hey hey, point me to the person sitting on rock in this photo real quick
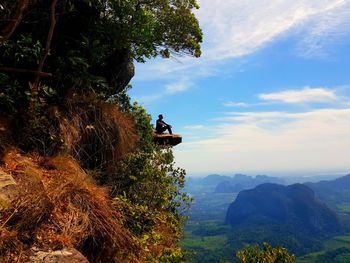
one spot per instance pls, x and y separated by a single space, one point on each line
162 126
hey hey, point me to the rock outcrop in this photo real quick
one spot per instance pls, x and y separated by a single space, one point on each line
66 255
8 190
167 139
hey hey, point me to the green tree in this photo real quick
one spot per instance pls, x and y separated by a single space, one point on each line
66 58
268 254
90 44
149 186
55 50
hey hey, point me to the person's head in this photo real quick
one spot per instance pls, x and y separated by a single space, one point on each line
160 116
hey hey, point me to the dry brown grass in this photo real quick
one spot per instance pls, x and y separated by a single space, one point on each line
96 133
11 249
55 204
84 215
29 207
60 206
30 204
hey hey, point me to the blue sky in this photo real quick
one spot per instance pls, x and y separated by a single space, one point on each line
270 94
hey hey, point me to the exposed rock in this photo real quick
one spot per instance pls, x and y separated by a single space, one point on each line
8 190
118 70
167 139
6 180
24 191
66 255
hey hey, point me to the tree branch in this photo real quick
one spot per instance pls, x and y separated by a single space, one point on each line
24 72
34 88
47 46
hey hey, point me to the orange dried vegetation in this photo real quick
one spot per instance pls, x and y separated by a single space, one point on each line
67 210
96 133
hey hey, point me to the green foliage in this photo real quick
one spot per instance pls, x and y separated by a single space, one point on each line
153 179
91 35
23 53
10 94
153 27
147 187
93 46
94 42
24 50
268 254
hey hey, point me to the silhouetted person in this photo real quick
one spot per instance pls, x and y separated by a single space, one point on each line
162 126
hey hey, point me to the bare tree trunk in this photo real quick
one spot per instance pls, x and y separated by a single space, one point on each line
34 88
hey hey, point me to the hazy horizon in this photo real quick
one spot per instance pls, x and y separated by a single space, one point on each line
282 174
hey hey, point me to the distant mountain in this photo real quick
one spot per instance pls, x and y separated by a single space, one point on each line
228 187
214 179
335 193
227 184
240 182
204 184
294 206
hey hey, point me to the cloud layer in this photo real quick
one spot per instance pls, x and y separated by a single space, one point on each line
234 29
306 95
237 28
265 141
271 141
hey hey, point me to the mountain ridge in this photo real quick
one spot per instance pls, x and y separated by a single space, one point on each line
294 205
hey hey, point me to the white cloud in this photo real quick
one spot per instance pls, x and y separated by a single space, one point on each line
323 31
176 87
304 95
170 89
194 127
235 104
272 141
150 98
234 29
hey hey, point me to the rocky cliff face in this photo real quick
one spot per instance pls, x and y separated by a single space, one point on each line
294 206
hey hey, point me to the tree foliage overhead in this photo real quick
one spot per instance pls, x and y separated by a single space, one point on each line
52 50
91 42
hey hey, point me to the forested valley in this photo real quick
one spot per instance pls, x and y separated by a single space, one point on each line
219 226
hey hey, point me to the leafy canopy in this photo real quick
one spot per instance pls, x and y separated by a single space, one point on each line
147 186
268 254
92 42
153 27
